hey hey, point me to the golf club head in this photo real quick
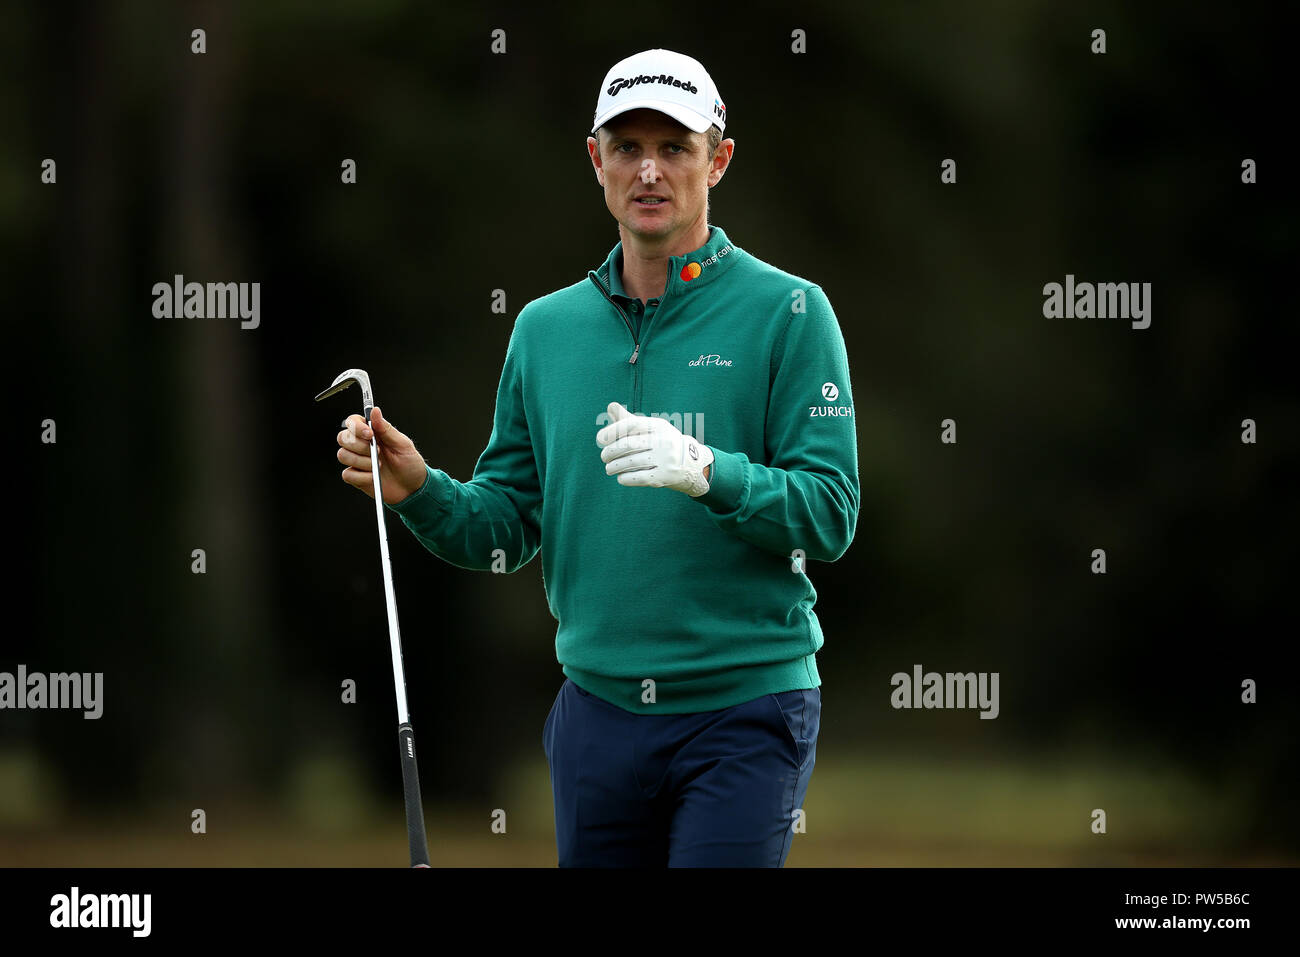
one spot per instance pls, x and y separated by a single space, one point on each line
344 380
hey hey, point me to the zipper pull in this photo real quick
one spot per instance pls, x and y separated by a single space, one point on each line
632 361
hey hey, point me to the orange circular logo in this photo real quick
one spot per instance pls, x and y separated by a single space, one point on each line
690 271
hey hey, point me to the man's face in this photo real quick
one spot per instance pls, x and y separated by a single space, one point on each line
645 153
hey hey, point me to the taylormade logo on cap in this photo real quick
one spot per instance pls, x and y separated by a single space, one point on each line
662 80
621 84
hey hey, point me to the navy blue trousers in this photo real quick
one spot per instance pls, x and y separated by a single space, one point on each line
710 789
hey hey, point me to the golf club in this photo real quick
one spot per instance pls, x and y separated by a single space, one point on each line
405 734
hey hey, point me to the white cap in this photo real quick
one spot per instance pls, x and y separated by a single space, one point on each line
661 80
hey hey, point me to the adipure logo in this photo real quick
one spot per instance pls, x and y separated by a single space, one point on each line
831 393
710 360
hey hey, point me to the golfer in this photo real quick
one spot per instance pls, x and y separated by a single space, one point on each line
675 434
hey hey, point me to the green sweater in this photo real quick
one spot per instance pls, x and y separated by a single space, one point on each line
707 597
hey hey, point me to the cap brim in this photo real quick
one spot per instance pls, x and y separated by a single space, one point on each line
683 115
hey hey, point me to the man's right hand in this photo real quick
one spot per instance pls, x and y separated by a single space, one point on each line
401 468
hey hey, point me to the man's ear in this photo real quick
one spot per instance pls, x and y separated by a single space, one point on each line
595 160
720 161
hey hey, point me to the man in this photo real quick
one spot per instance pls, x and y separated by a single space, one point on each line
685 731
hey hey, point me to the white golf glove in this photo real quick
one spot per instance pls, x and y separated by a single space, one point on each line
644 450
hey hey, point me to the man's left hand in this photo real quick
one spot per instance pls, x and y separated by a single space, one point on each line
645 450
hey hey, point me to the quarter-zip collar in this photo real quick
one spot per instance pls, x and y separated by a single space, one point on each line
686 274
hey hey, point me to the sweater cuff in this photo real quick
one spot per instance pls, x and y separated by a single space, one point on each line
726 483
423 500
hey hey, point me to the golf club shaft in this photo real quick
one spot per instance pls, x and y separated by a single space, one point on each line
405 734
390 598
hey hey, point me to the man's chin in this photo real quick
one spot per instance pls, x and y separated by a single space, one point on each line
648 229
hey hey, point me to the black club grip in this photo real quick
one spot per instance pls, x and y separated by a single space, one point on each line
411 787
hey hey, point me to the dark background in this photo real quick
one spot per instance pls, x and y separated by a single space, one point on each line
222 691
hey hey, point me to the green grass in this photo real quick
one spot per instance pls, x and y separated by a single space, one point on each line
861 811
